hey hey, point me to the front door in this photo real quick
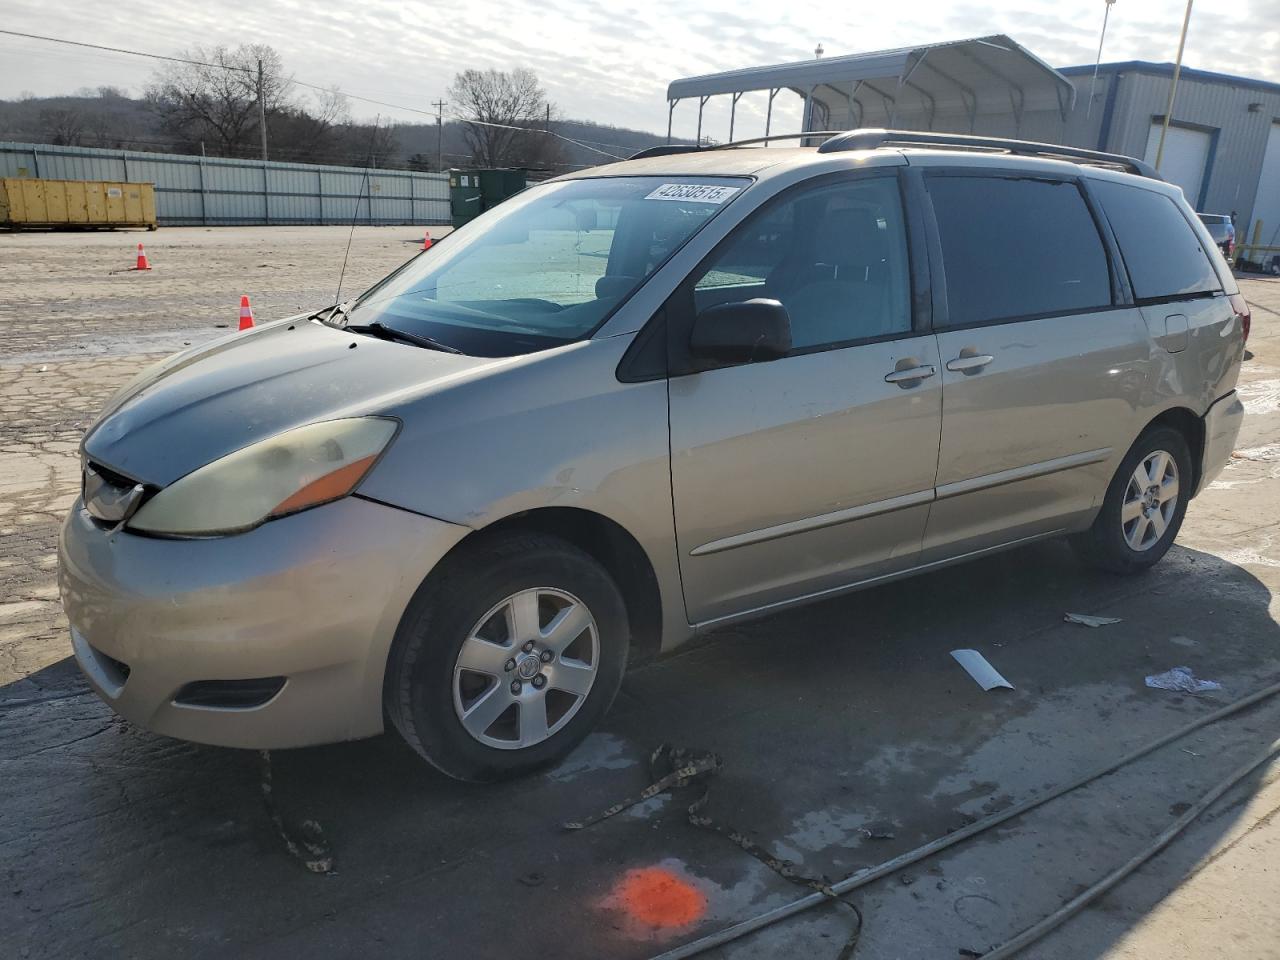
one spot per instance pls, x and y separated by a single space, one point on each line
799 475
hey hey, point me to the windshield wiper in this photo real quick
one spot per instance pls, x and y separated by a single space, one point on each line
330 315
383 332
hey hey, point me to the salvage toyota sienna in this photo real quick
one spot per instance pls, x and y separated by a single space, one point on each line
634 403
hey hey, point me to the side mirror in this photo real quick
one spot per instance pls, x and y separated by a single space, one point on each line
747 331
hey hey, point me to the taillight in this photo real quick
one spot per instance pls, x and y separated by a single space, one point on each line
1241 306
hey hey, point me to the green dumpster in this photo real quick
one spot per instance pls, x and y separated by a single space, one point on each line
472 192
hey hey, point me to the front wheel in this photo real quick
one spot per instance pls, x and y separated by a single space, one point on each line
507 658
1144 505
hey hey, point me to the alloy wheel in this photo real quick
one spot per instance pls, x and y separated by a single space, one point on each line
1150 500
526 668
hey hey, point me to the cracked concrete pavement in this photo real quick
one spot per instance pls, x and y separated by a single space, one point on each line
839 724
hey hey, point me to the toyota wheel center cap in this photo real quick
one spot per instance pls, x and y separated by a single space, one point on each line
527 667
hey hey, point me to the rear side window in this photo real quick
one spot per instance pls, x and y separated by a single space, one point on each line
1161 251
1017 248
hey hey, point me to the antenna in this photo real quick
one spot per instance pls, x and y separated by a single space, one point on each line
373 140
1102 37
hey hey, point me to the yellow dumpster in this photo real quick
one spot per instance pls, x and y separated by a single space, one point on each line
75 203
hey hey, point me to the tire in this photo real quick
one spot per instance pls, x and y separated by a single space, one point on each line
445 710
1123 544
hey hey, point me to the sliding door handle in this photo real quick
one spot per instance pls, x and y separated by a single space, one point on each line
909 376
970 364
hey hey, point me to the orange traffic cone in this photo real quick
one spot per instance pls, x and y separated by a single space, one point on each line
426 240
246 313
142 259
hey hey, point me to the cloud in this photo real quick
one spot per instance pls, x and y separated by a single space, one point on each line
606 62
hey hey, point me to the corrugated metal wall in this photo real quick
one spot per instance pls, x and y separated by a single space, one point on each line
1239 133
217 191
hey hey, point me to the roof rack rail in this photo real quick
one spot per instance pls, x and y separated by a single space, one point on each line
869 139
664 150
667 149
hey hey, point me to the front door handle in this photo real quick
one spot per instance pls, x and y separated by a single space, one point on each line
910 376
969 364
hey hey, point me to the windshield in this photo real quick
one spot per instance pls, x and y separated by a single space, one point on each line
546 267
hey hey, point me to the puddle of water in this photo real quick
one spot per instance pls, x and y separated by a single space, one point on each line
600 751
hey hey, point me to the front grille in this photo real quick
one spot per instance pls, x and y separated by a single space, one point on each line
229 694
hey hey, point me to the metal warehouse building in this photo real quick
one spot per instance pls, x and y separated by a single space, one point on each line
1223 145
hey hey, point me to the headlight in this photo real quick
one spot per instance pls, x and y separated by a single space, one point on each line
286 473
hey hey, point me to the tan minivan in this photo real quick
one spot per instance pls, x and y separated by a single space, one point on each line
637 402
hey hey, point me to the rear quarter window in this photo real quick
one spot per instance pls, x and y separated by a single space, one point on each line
1161 251
1017 248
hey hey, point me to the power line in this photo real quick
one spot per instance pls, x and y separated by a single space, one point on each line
132 53
312 86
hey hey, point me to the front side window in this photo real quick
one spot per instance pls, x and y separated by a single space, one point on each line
1160 249
834 255
1017 248
546 267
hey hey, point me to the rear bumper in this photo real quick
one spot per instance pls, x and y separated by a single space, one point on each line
1221 428
314 598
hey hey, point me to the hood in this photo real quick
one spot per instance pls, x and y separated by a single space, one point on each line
205 403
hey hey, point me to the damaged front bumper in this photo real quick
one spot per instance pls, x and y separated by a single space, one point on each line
277 637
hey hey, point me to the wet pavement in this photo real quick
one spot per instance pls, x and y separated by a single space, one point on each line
848 734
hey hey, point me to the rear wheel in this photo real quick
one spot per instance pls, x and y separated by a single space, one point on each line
507 658
1144 505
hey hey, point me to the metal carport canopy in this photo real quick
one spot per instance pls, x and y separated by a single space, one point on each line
983 75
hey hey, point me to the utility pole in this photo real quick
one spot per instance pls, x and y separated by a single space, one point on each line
1173 85
439 105
262 111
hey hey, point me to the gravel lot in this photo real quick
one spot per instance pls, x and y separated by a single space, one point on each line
848 734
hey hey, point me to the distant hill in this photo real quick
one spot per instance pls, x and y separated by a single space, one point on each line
108 118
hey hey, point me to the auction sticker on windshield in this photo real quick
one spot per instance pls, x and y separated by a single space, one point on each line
695 192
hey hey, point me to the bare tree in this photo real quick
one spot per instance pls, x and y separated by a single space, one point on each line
503 117
63 126
312 132
216 99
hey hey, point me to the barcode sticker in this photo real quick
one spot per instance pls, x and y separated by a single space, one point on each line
693 192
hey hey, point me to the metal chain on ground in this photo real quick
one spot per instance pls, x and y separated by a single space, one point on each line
674 767
310 849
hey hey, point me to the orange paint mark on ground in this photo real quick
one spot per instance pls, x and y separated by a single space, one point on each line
658 898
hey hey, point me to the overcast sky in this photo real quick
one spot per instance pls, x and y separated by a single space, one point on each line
608 62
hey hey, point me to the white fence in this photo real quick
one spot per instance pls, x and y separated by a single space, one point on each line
218 191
